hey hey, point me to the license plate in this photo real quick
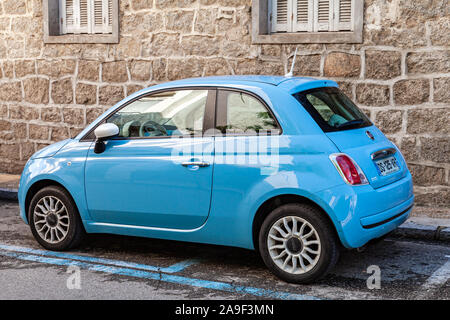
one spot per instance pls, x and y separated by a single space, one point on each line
387 166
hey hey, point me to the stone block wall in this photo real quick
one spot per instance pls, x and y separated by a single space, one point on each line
399 75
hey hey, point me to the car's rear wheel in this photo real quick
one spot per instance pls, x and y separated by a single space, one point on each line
54 219
298 244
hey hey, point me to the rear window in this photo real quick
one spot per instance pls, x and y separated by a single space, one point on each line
332 109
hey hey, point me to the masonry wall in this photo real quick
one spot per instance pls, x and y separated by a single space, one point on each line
399 75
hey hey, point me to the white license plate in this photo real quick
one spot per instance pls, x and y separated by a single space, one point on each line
387 166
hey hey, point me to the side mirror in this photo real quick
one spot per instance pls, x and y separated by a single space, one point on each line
103 132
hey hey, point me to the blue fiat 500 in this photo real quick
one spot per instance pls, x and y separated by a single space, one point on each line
287 166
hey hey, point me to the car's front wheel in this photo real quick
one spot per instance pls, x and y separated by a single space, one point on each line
54 219
297 243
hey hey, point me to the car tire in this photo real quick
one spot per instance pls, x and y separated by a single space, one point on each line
313 245
54 219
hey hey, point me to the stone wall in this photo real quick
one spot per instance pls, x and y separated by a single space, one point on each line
400 74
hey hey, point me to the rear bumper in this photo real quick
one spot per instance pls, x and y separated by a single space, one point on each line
357 236
383 218
362 213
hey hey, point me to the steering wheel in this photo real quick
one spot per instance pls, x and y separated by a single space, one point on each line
131 129
152 129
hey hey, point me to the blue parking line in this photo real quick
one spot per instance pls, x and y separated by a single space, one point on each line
206 284
180 266
171 269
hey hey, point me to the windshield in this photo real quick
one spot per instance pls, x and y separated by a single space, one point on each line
332 109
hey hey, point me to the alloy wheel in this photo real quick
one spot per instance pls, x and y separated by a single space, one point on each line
294 245
51 219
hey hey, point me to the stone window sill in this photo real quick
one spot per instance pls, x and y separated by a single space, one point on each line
82 38
308 37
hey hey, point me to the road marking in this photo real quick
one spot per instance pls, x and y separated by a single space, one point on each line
435 281
180 266
206 284
171 269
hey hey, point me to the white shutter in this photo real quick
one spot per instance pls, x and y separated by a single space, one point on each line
74 16
311 15
343 11
97 21
303 15
281 13
323 14
102 17
67 16
84 25
110 20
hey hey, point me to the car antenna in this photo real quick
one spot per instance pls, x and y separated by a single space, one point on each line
290 73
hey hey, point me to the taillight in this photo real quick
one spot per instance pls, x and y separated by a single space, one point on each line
348 169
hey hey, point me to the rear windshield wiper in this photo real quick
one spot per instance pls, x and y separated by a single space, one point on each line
350 123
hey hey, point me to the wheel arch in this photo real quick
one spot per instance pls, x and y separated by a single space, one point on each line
39 185
274 202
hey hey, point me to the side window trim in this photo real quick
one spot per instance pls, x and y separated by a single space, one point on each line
208 120
221 109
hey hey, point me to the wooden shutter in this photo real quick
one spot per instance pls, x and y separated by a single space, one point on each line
323 14
67 16
303 15
74 16
102 16
281 13
343 15
110 5
83 12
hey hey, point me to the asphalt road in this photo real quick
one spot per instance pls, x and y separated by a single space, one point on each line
116 267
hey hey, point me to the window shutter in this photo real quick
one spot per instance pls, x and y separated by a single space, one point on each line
323 11
74 16
109 15
303 15
281 12
98 16
102 18
67 16
84 17
343 10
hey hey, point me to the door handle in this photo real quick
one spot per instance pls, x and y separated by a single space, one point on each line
195 163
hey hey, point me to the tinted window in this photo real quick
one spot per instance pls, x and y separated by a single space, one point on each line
171 113
332 109
242 113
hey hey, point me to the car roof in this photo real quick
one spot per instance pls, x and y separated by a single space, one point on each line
289 84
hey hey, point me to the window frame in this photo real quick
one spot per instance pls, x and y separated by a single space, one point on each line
52 32
222 114
261 33
208 116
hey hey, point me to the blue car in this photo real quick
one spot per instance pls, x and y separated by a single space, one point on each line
287 166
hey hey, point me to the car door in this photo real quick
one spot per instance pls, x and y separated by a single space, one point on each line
158 171
246 149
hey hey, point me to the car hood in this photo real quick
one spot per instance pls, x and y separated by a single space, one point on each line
50 150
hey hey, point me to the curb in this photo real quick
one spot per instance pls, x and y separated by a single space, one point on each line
409 229
418 231
8 194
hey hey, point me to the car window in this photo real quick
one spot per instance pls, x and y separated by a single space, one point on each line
244 114
332 109
171 113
